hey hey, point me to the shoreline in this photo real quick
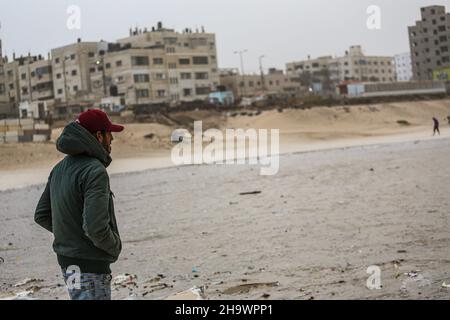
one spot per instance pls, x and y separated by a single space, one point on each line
17 179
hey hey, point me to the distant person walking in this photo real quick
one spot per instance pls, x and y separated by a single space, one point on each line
77 207
436 127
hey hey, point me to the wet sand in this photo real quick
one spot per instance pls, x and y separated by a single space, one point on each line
310 234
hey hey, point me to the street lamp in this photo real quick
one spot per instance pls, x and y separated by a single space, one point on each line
101 61
241 55
66 58
263 86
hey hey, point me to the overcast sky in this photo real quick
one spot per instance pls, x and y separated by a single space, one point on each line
283 30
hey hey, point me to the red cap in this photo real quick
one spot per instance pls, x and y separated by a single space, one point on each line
97 120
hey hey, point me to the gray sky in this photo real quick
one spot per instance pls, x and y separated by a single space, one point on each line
283 30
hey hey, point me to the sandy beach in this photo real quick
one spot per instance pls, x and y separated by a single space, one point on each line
353 192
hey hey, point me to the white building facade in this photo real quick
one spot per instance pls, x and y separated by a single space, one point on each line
403 67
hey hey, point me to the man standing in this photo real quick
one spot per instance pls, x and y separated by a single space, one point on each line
77 207
436 127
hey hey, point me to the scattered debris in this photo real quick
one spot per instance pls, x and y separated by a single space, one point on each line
149 136
10 244
2 260
245 288
125 280
372 169
402 251
191 294
155 279
403 122
444 285
27 281
265 296
416 280
221 272
233 203
23 295
412 274
249 193
156 287
194 270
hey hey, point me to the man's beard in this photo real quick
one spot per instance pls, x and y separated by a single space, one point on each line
106 147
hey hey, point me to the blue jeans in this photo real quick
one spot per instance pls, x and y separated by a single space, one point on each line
89 287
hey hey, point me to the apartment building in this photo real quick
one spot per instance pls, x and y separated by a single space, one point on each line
275 82
182 66
353 66
312 66
403 67
36 79
71 70
138 75
3 95
429 41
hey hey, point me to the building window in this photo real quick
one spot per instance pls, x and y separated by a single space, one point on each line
141 78
108 66
161 93
185 61
170 50
60 91
74 72
142 93
186 75
201 75
172 65
91 54
159 76
140 61
187 92
57 60
58 76
200 60
119 63
24 90
33 74
23 76
173 80
251 84
75 88
92 70
158 61
202 90
72 57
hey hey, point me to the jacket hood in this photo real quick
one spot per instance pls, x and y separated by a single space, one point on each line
76 140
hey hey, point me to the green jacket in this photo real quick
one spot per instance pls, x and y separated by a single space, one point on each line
77 204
